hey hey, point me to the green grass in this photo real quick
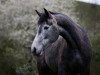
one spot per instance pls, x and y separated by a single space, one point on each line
95 64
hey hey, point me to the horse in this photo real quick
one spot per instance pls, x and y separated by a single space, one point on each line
61 46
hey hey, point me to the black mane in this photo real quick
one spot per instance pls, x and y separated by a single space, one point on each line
65 22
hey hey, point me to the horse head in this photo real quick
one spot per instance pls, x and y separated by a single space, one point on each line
47 32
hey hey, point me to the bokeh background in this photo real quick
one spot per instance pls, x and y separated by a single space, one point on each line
17 30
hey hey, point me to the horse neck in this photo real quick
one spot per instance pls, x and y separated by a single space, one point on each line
68 38
69 31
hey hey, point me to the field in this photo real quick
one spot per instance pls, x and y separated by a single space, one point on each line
18 21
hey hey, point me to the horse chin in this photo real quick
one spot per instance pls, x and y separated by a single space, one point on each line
39 53
42 51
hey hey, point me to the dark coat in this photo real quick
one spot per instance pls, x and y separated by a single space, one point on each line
70 54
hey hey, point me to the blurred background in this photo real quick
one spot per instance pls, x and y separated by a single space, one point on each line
17 30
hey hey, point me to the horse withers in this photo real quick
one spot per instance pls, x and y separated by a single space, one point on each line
61 46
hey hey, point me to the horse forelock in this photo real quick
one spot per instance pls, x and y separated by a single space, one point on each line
43 18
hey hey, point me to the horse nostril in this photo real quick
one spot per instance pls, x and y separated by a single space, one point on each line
34 50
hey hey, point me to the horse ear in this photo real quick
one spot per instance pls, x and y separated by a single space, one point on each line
39 14
48 14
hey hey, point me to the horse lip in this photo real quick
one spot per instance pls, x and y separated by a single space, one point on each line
38 54
41 52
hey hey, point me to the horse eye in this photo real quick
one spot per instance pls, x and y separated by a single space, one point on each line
46 27
49 23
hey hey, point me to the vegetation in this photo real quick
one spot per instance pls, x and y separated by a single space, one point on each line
89 18
17 29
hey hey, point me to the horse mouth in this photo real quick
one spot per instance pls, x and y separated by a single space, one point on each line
38 53
41 52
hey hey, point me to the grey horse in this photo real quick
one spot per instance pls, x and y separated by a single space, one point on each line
61 46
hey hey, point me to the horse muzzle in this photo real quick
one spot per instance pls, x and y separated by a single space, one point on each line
36 52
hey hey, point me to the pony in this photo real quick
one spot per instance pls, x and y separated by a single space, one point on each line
61 46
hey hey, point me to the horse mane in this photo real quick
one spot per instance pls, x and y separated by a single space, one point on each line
76 32
72 46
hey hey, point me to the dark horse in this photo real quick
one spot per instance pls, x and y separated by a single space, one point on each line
61 46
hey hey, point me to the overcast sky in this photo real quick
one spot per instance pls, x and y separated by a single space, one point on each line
91 1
